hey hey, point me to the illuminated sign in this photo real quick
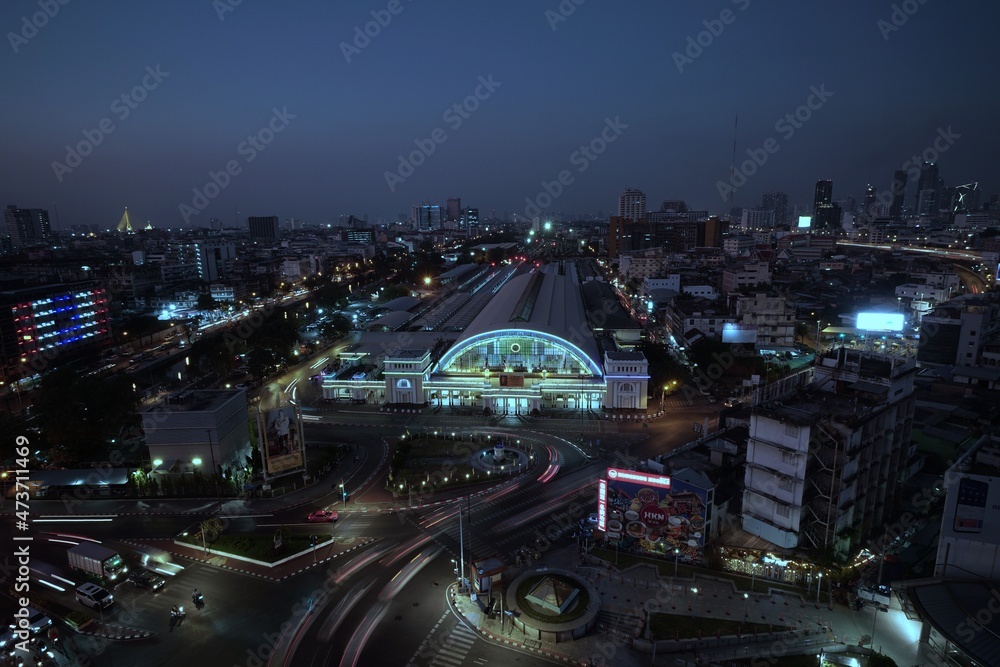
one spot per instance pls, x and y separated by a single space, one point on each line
602 504
739 333
805 221
880 321
617 474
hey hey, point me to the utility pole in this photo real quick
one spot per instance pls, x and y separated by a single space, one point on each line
461 549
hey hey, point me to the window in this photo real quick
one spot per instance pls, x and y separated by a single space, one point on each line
783 510
788 458
791 430
786 483
403 383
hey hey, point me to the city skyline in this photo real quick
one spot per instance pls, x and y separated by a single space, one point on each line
342 121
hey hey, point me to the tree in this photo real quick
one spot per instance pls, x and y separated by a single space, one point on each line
335 327
81 413
206 302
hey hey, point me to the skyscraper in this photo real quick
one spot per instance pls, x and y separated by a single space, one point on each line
823 196
898 193
777 203
26 225
632 205
928 190
470 219
263 228
871 202
427 216
453 210
826 214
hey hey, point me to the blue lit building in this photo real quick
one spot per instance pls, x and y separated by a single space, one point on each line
43 322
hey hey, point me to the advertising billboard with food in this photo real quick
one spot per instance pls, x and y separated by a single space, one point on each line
654 515
279 439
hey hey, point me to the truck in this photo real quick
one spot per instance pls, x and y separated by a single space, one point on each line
97 560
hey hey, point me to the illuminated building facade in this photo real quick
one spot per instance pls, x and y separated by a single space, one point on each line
51 320
530 348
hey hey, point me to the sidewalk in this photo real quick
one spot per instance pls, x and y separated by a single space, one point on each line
798 625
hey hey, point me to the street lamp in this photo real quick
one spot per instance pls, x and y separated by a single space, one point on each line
819 585
677 553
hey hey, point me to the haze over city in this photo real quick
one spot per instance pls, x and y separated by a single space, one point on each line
356 103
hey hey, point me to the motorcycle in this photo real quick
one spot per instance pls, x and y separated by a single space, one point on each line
177 613
198 599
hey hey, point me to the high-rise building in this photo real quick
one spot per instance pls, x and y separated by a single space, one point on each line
26 225
453 209
825 465
928 190
871 197
757 219
826 214
470 219
632 205
211 257
777 203
898 194
427 217
263 228
823 196
41 322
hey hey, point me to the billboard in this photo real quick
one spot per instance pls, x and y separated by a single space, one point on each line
805 221
654 515
739 333
280 440
602 504
511 380
880 321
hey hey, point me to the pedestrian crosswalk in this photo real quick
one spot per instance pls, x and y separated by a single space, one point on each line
448 648
452 653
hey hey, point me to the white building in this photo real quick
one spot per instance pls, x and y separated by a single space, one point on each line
969 544
632 205
825 467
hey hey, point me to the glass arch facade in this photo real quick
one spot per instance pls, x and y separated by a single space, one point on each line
518 351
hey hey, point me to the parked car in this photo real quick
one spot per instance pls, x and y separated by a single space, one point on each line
327 516
146 579
93 596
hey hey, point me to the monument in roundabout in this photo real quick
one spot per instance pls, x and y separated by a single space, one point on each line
552 604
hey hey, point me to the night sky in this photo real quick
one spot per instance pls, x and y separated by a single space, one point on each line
563 80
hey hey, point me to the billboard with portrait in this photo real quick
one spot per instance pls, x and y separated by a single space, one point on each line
653 515
280 440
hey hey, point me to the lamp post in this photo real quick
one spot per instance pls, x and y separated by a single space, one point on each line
677 553
819 585
753 575
215 470
746 599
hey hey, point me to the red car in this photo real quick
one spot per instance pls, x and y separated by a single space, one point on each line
323 515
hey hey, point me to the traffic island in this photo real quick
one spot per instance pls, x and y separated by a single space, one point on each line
552 605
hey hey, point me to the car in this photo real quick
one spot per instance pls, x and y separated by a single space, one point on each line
93 596
8 637
733 402
592 518
328 516
37 622
146 579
